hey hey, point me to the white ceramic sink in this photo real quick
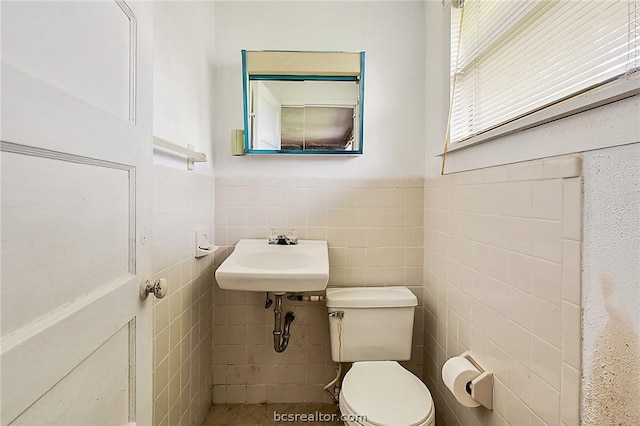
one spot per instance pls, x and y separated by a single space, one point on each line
256 265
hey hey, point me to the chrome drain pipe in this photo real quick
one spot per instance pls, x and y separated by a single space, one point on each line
280 338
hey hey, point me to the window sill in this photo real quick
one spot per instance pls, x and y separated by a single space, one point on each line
606 94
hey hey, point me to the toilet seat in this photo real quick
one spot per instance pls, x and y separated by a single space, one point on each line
387 394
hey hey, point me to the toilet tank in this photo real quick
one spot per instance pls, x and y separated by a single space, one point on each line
370 323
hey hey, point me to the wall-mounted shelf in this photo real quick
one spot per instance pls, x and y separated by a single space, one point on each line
192 156
204 244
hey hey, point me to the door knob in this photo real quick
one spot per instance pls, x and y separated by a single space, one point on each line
158 288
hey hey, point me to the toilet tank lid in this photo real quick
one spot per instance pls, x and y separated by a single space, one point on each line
370 297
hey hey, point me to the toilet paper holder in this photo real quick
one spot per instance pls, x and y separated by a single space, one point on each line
480 388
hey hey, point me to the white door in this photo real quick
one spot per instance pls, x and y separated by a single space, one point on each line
76 162
267 118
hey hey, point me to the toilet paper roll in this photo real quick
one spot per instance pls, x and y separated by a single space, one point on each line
456 373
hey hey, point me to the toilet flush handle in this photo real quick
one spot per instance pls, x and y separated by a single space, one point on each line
337 314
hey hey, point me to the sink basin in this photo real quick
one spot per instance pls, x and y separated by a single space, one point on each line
256 265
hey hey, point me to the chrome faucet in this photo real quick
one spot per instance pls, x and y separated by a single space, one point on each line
290 239
283 240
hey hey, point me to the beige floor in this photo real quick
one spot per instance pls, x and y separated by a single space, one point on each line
266 414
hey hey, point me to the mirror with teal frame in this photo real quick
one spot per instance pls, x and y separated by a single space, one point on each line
303 102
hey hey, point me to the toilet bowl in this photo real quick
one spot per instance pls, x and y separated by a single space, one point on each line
383 393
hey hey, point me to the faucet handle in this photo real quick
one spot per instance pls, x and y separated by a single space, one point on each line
292 236
273 236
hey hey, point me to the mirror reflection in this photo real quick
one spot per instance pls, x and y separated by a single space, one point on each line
304 115
303 102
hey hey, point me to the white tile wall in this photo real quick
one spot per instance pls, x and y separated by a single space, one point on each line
183 319
502 279
374 229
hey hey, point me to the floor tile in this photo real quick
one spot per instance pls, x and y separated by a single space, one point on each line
267 414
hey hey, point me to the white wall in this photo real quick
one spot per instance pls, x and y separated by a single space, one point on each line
609 138
502 261
436 84
391 34
183 95
182 202
611 286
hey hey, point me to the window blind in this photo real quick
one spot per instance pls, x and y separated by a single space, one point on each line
517 57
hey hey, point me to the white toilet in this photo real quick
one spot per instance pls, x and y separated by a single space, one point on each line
373 327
